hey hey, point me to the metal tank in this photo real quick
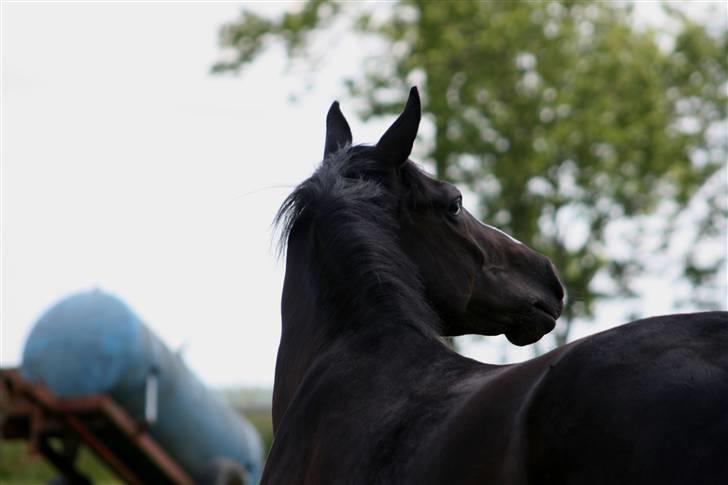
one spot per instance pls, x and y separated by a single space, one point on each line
92 343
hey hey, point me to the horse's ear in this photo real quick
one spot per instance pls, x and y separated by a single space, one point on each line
338 133
395 145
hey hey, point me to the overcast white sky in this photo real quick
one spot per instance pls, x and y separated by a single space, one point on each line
126 166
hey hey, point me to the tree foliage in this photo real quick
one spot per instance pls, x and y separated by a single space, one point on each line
560 116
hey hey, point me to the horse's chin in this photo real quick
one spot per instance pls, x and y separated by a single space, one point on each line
531 330
524 336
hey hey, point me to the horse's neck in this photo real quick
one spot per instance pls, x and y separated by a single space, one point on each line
371 361
385 366
319 305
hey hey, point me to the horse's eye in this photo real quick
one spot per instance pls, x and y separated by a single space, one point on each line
454 208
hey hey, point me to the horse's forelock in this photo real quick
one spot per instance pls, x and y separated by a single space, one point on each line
340 181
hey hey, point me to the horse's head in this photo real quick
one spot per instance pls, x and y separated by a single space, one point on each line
478 279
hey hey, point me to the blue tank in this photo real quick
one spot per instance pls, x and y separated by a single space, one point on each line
92 343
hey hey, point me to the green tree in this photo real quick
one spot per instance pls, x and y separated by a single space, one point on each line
560 116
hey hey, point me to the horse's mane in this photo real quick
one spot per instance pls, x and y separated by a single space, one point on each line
352 215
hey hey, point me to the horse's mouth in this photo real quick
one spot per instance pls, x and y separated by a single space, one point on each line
551 313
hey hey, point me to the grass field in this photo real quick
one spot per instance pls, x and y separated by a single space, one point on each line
18 467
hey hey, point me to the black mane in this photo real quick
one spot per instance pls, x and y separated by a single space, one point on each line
349 213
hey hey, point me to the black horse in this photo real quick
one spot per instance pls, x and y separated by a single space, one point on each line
382 260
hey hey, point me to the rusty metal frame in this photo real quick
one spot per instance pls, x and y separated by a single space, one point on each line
44 412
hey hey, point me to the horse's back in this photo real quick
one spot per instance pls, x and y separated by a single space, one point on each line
643 403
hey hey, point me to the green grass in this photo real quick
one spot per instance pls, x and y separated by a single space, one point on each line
18 467
261 419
